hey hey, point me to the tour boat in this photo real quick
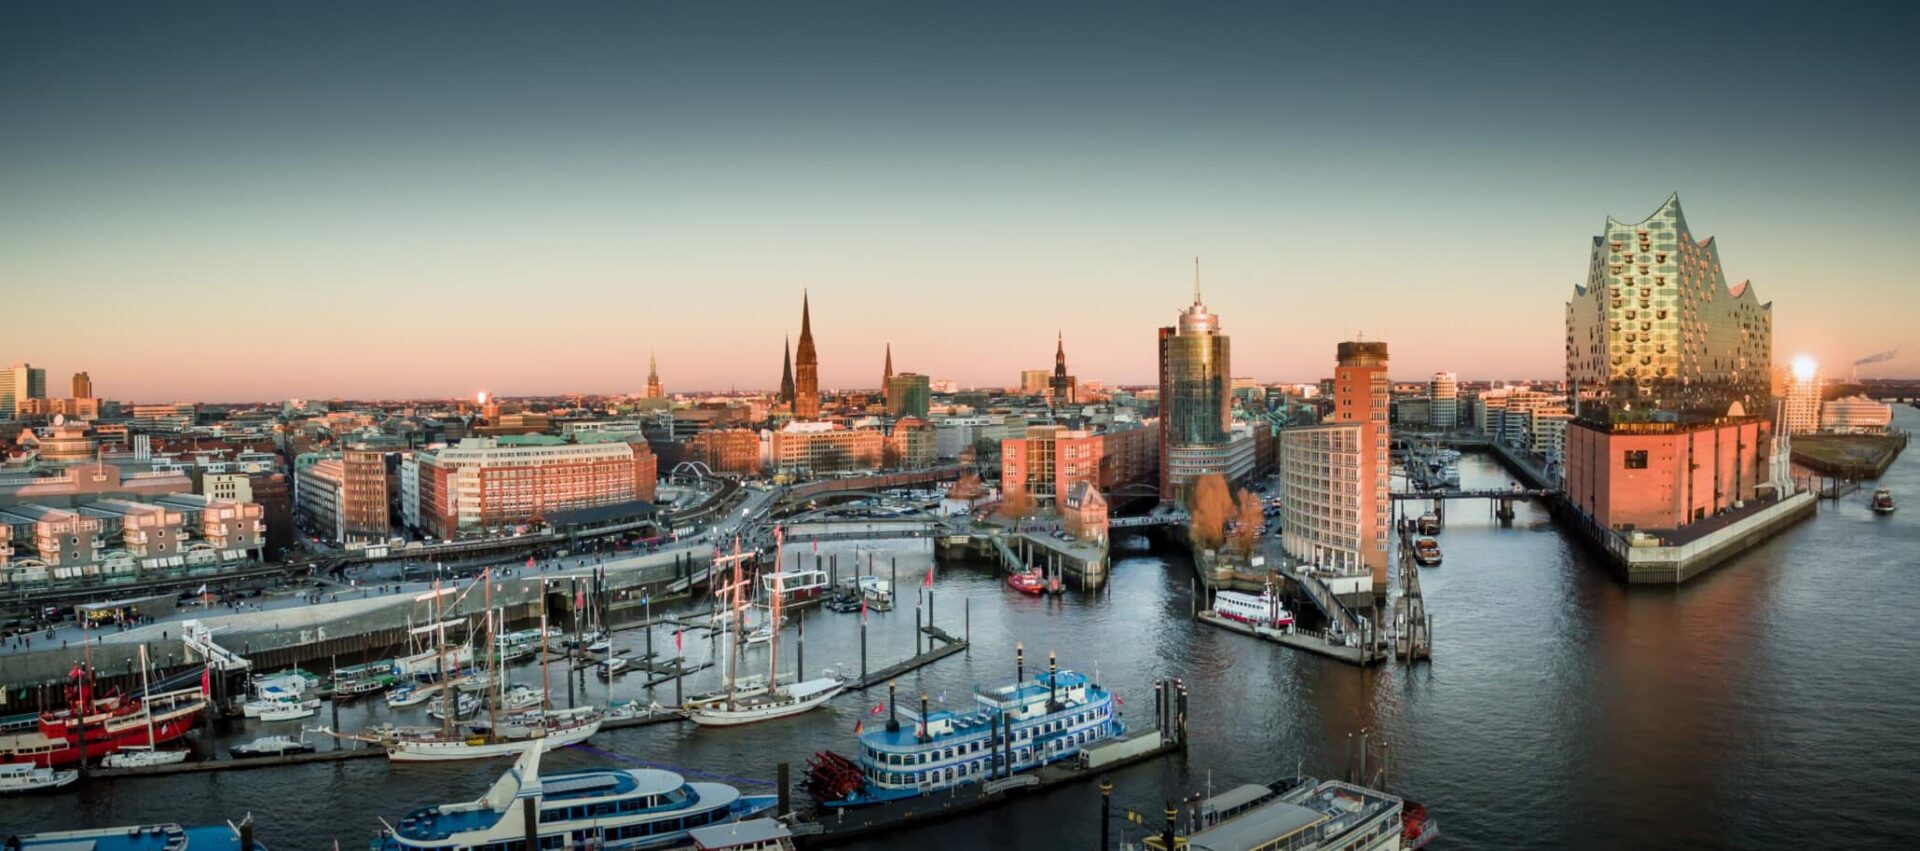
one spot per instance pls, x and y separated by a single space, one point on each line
1011 729
107 724
799 587
1883 501
611 668
355 680
292 710
1031 582
22 777
272 746
1301 814
141 756
1426 551
612 809
1260 610
269 699
145 837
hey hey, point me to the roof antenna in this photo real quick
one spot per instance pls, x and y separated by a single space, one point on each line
1196 279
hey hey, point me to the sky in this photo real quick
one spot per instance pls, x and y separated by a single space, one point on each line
261 201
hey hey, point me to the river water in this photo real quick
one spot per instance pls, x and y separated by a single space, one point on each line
1768 704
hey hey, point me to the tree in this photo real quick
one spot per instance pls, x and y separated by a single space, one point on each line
1017 504
1209 504
1248 520
968 487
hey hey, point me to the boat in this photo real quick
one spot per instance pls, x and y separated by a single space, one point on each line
356 680
266 746
412 695
615 809
292 711
463 706
558 731
780 699
742 687
519 697
1260 610
1010 729
876 591
1032 582
799 587
532 723
1882 501
1426 551
1429 524
633 709
584 641
24 777
761 834
1301 814
611 668
600 648
142 756
107 723
844 601
164 836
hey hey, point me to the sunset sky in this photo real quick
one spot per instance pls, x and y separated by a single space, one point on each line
269 200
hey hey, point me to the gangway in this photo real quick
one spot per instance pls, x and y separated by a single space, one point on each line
198 639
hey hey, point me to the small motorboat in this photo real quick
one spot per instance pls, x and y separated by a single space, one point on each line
412 695
272 746
292 710
1426 551
601 647
141 756
1031 583
1882 501
22 777
611 668
1429 524
519 697
464 705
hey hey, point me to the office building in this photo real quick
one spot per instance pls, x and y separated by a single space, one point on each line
82 386
734 451
808 449
1195 407
19 383
909 395
1322 497
1048 461
1670 367
1034 382
911 445
1800 411
1361 396
484 484
1443 409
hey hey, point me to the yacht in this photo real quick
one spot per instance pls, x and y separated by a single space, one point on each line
602 808
20 777
611 668
142 756
272 746
779 702
412 695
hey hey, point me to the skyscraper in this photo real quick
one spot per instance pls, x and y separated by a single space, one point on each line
1333 475
18 383
82 386
1062 386
909 395
654 390
1444 390
1361 395
1195 399
1670 369
806 368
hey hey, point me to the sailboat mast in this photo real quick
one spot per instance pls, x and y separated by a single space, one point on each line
778 591
496 693
146 697
440 662
546 689
733 638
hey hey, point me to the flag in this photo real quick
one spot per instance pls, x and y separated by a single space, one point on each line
929 582
1118 699
529 562
579 598
859 726
878 708
676 641
206 681
816 546
863 610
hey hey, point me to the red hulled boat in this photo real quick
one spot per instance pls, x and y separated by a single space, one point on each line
1031 582
105 724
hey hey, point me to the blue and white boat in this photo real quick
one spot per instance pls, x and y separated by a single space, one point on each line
1028 724
602 808
146 837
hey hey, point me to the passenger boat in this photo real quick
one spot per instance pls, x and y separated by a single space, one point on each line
1260 610
780 699
272 746
1302 814
145 837
1011 729
142 756
1031 583
801 587
601 808
1882 501
1426 551
107 723
611 668
1429 524
22 777
355 680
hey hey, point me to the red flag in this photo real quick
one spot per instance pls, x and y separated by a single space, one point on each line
929 582
863 609
1120 700
206 682
878 708
529 562
580 599
816 546
676 641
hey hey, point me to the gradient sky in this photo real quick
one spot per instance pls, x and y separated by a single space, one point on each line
312 200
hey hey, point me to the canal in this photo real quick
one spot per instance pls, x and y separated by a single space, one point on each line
1766 705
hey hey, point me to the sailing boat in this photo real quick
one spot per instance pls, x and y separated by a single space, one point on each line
723 615
140 756
779 701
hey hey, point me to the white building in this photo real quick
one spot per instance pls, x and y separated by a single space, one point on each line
1320 495
1443 412
1802 409
1856 415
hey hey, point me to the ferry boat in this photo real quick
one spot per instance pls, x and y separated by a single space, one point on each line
1011 729
165 836
1302 814
1261 610
22 777
1883 501
1426 551
799 587
1030 583
53 738
601 808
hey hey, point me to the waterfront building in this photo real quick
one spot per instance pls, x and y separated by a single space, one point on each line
1670 367
1195 408
1048 461
654 389
806 368
1800 413
365 507
1033 382
734 451
113 538
1856 415
1333 476
909 395
1444 410
911 444
484 484
1361 395
18 383
82 386
809 449
1083 511
1062 387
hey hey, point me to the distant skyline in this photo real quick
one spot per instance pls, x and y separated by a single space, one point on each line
231 202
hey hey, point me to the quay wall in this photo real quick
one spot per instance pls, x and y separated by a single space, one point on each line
1672 565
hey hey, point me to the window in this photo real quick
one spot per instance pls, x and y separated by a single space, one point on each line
1636 459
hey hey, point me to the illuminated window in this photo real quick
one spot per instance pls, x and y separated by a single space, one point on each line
1636 459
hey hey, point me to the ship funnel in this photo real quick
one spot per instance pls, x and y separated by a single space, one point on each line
926 733
1019 663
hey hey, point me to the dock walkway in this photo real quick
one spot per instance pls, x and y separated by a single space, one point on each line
1299 639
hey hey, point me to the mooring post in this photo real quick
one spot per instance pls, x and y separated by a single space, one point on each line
530 809
916 629
800 648
1106 812
780 776
863 644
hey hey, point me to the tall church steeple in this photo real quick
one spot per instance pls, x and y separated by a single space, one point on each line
806 372
654 390
786 372
886 376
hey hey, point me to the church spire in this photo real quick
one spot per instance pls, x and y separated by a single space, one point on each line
786 372
806 367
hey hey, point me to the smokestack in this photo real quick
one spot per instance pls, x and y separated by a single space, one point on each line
925 733
893 709
1019 663
1053 674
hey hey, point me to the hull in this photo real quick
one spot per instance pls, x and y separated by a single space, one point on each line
46 752
142 758
455 751
720 716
